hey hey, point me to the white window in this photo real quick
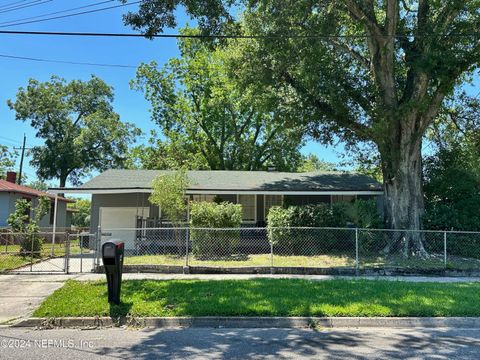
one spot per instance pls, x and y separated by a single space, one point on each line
203 197
272 200
248 207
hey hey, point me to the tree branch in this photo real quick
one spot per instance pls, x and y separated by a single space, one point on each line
351 51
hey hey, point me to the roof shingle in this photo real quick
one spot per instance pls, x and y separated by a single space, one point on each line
239 181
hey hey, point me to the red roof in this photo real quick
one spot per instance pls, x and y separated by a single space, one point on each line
6 186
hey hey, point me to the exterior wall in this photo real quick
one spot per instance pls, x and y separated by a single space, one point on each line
118 200
4 208
7 206
141 200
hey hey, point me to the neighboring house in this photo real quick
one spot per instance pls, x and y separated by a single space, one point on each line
120 197
10 192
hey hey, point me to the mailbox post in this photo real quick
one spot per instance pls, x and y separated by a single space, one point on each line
112 256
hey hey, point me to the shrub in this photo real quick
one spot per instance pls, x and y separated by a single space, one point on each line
286 239
212 243
27 227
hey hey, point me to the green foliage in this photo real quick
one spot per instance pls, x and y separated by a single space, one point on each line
82 133
357 81
81 218
208 243
452 190
27 226
37 184
207 121
282 224
311 162
7 160
168 192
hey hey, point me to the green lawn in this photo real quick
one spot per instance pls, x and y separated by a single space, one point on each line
11 258
266 297
245 260
322 261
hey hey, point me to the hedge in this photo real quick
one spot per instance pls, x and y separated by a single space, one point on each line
215 243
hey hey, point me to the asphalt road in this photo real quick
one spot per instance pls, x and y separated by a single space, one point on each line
198 343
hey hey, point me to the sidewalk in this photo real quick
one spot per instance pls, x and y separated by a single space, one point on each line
55 278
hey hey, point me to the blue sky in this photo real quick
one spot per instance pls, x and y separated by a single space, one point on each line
129 51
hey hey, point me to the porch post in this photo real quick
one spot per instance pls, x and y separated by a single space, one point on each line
54 230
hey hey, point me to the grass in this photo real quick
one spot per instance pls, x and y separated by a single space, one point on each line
11 258
322 261
245 260
265 297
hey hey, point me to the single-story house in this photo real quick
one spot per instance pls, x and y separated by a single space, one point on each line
10 192
120 197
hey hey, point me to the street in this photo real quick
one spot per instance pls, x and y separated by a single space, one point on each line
208 343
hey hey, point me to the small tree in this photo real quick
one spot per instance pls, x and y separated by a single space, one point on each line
27 227
169 194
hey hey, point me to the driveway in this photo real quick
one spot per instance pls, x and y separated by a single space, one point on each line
21 294
198 343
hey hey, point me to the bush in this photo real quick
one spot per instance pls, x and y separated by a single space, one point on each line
362 213
212 243
31 244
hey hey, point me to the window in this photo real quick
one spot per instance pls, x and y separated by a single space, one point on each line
272 200
248 207
203 197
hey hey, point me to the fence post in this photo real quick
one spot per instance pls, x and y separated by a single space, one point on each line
96 260
186 246
357 264
31 252
271 250
445 249
67 252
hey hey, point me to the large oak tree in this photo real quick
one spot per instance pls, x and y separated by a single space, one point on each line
364 70
76 120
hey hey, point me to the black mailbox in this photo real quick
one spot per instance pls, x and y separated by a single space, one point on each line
112 256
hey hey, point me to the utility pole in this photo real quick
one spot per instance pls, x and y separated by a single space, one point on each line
23 148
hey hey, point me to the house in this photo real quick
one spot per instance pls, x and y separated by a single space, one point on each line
10 192
120 197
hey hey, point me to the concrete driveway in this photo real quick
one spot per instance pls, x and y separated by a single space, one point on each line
21 294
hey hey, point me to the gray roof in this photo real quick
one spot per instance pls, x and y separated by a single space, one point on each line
225 180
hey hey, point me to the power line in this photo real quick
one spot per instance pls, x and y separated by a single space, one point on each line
56 12
33 3
66 62
201 36
10 4
70 15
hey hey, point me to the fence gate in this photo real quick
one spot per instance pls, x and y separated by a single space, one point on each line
46 252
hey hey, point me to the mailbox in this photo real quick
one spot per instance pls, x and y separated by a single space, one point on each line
112 256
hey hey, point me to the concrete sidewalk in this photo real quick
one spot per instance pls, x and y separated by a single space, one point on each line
26 278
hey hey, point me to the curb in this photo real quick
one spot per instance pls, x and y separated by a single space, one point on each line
253 322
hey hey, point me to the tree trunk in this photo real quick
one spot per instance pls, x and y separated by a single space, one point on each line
63 181
404 204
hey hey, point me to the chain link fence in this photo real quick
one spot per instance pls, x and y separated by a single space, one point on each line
46 251
270 248
326 248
